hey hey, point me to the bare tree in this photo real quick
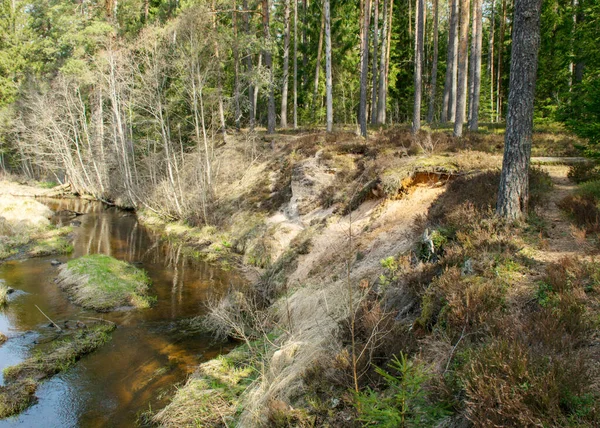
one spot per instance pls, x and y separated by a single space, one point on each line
420 35
328 79
286 63
449 100
513 195
477 39
463 55
434 66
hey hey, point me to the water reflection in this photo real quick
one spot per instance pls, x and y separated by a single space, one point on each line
147 353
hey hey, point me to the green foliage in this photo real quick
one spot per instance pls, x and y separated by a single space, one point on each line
405 403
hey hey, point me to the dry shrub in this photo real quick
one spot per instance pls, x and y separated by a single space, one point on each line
584 171
506 384
583 210
238 315
462 304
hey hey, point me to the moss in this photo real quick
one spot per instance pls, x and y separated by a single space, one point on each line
104 283
22 380
3 294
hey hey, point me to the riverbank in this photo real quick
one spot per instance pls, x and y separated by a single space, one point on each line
25 226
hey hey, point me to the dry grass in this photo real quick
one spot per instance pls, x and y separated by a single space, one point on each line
103 283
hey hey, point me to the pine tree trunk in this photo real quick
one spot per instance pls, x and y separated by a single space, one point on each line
269 64
434 66
249 68
374 66
476 66
236 69
499 68
490 65
295 96
381 102
304 55
364 67
286 63
419 35
451 69
328 79
513 194
318 66
387 57
463 54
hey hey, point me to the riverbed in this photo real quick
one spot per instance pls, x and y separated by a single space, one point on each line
151 351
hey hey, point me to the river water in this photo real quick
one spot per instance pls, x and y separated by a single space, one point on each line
150 351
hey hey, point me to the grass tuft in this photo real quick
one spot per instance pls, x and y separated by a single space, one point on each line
103 283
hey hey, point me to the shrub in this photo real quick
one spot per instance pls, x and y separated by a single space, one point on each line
584 171
583 210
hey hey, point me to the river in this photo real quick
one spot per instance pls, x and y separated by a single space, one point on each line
150 351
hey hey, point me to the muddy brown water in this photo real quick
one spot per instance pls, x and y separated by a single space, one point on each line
151 350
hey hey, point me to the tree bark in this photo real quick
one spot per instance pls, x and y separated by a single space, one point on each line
328 79
449 100
236 69
219 84
490 65
381 102
499 68
269 64
295 90
374 66
418 77
364 67
513 194
251 113
434 66
463 54
318 66
476 66
286 63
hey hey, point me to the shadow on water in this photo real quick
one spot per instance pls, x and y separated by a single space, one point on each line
148 353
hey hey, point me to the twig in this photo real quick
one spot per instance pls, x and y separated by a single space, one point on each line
462 335
48 318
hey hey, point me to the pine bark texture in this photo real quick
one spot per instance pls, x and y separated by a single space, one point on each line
463 54
476 66
418 77
374 66
513 194
269 64
328 78
434 66
449 99
286 64
362 109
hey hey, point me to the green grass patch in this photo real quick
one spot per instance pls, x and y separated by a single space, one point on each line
103 283
22 380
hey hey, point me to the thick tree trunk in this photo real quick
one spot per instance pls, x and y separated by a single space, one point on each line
328 79
513 193
269 65
434 66
286 63
364 67
449 100
252 103
476 66
419 35
318 66
295 95
463 54
374 66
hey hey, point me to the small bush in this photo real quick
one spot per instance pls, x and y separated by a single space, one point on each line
405 402
584 171
583 210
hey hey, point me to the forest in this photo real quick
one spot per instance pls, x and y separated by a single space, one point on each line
336 213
